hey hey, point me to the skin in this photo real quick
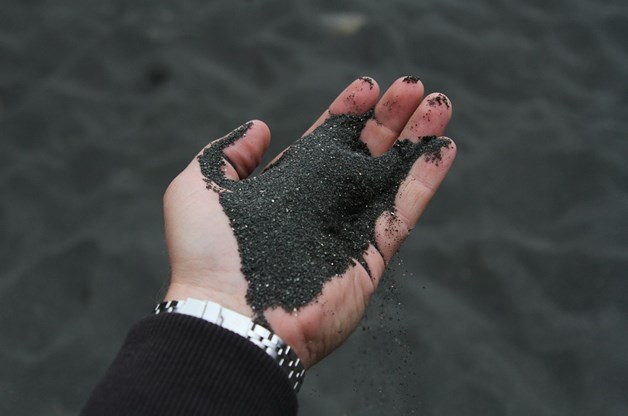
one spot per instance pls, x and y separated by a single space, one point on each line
203 252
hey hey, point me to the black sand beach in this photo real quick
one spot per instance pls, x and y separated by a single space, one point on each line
508 298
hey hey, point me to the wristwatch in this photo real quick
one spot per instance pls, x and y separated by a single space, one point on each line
274 346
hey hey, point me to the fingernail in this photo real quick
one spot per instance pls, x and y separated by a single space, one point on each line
369 80
439 99
411 79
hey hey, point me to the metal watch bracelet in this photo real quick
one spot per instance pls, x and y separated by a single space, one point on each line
274 346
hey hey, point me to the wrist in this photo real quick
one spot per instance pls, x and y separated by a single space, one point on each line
235 302
212 312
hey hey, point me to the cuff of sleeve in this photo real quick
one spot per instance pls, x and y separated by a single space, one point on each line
178 364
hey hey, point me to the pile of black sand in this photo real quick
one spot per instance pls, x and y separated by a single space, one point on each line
310 215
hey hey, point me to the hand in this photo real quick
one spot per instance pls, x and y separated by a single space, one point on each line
344 207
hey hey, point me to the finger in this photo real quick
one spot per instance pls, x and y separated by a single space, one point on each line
359 97
412 198
244 154
429 119
391 114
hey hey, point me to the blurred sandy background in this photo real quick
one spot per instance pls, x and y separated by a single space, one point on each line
510 298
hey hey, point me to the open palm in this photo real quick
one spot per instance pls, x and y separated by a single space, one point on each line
206 259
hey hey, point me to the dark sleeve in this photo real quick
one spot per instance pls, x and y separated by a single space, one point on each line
173 364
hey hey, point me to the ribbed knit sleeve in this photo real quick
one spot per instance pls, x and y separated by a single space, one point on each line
173 364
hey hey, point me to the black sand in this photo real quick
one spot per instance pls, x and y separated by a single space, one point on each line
514 290
310 215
